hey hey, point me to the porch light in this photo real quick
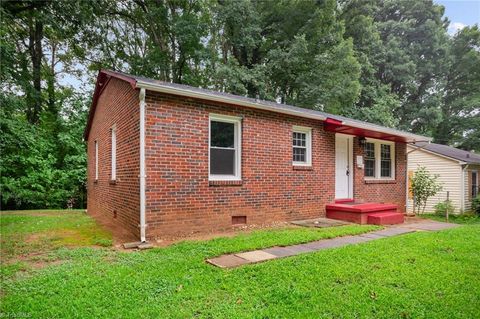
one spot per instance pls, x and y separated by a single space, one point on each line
361 141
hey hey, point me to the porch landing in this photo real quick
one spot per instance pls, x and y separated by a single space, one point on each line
365 213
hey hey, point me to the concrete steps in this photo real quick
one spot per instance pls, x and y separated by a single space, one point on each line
365 213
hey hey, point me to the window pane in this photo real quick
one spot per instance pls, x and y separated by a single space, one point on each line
369 167
385 152
299 154
222 134
386 168
222 161
369 150
474 184
299 139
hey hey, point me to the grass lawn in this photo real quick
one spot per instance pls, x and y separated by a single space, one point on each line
459 219
418 275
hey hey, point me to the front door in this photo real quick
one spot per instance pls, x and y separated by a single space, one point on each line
343 166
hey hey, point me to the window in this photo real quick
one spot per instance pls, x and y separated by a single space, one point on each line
379 159
302 146
224 150
114 153
369 159
96 160
474 184
385 161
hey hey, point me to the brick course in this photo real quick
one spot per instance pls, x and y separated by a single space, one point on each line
118 105
386 191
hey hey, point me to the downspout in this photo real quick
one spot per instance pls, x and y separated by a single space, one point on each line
142 166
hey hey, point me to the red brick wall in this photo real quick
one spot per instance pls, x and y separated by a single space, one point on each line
118 105
382 191
180 199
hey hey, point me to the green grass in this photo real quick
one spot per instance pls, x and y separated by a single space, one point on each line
458 219
418 275
41 231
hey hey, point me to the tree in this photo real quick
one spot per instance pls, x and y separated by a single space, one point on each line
460 107
401 46
424 186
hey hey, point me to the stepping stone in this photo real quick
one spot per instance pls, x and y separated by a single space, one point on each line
393 231
352 239
431 226
300 249
280 251
372 236
227 261
256 256
324 244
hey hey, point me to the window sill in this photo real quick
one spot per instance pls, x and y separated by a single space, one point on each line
113 182
302 168
225 183
380 181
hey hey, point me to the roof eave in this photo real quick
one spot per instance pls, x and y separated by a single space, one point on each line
229 100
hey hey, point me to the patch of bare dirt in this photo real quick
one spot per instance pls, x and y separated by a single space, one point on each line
167 241
119 233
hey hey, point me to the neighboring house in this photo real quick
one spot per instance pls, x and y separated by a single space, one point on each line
458 173
169 159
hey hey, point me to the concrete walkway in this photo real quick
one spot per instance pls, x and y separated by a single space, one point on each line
255 256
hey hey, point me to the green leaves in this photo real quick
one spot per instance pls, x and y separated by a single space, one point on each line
424 186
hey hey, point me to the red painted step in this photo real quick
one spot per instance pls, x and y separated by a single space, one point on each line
389 218
361 212
361 208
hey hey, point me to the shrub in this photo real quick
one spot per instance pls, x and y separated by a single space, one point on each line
442 207
476 205
424 186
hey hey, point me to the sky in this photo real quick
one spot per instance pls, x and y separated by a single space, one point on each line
461 13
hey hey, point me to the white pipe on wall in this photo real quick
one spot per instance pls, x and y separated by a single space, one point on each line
142 166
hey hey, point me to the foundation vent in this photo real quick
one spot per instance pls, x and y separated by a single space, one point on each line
239 220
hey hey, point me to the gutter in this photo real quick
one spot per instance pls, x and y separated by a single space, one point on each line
223 99
272 108
143 176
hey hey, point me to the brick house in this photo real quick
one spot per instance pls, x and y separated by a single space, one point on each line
167 159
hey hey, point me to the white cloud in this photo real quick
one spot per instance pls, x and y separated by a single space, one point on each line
455 26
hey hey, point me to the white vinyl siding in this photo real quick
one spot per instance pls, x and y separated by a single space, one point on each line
450 175
467 185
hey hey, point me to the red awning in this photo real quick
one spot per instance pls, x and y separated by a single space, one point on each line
333 125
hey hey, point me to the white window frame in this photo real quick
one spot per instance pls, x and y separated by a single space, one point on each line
308 143
378 159
114 152
237 121
96 160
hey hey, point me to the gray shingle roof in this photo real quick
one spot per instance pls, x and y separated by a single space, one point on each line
452 152
278 107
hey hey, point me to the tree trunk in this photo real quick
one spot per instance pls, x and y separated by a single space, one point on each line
35 50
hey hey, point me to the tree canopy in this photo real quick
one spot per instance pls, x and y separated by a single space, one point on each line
387 62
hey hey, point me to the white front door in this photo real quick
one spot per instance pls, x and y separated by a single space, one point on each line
343 166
